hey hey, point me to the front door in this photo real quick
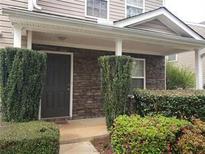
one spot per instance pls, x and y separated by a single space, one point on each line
56 95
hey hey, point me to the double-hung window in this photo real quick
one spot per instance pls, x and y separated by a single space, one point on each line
134 7
138 74
97 8
172 57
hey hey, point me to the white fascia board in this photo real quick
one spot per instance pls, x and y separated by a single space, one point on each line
155 14
183 26
196 24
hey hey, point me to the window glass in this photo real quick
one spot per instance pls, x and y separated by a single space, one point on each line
172 57
138 68
138 74
137 83
97 8
138 3
134 7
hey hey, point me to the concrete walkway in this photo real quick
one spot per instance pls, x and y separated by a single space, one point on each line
78 148
82 130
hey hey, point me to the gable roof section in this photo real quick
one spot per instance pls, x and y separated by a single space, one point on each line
154 25
198 27
165 17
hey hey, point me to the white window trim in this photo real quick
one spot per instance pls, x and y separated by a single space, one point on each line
108 11
172 60
143 7
134 77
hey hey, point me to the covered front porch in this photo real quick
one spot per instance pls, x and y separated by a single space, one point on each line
82 42
82 130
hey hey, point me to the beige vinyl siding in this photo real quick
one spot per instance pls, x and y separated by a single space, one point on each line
186 59
6 39
76 8
72 8
117 9
153 4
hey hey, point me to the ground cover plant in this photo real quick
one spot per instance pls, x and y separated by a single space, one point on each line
36 137
157 134
192 139
149 134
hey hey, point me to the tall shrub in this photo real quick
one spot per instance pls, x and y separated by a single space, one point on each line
22 73
179 77
115 85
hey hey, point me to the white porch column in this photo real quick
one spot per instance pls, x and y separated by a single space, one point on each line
29 39
198 70
118 47
17 36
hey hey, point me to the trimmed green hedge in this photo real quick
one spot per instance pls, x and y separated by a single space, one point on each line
35 137
22 73
116 80
180 103
150 135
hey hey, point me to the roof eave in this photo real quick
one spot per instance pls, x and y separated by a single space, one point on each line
113 31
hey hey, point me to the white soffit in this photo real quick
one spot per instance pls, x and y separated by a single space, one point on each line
166 17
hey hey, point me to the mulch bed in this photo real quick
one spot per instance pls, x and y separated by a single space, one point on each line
103 145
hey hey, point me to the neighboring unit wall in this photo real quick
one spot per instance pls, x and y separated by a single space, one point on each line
203 63
87 100
186 59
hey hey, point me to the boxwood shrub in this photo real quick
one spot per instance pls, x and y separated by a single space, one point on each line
151 134
180 103
35 137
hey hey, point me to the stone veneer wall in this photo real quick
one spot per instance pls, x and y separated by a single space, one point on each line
86 78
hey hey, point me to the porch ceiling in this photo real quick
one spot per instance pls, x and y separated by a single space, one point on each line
63 31
105 44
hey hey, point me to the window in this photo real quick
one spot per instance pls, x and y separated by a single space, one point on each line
172 58
97 8
138 74
134 7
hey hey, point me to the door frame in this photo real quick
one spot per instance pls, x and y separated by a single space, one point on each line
71 82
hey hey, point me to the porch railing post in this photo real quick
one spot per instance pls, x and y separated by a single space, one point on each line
17 36
198 70
118 47
29 39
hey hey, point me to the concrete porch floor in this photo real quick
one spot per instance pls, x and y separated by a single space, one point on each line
82 130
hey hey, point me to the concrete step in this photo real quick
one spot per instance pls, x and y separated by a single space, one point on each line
82 139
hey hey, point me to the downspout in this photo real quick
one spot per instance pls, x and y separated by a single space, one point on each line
32 4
